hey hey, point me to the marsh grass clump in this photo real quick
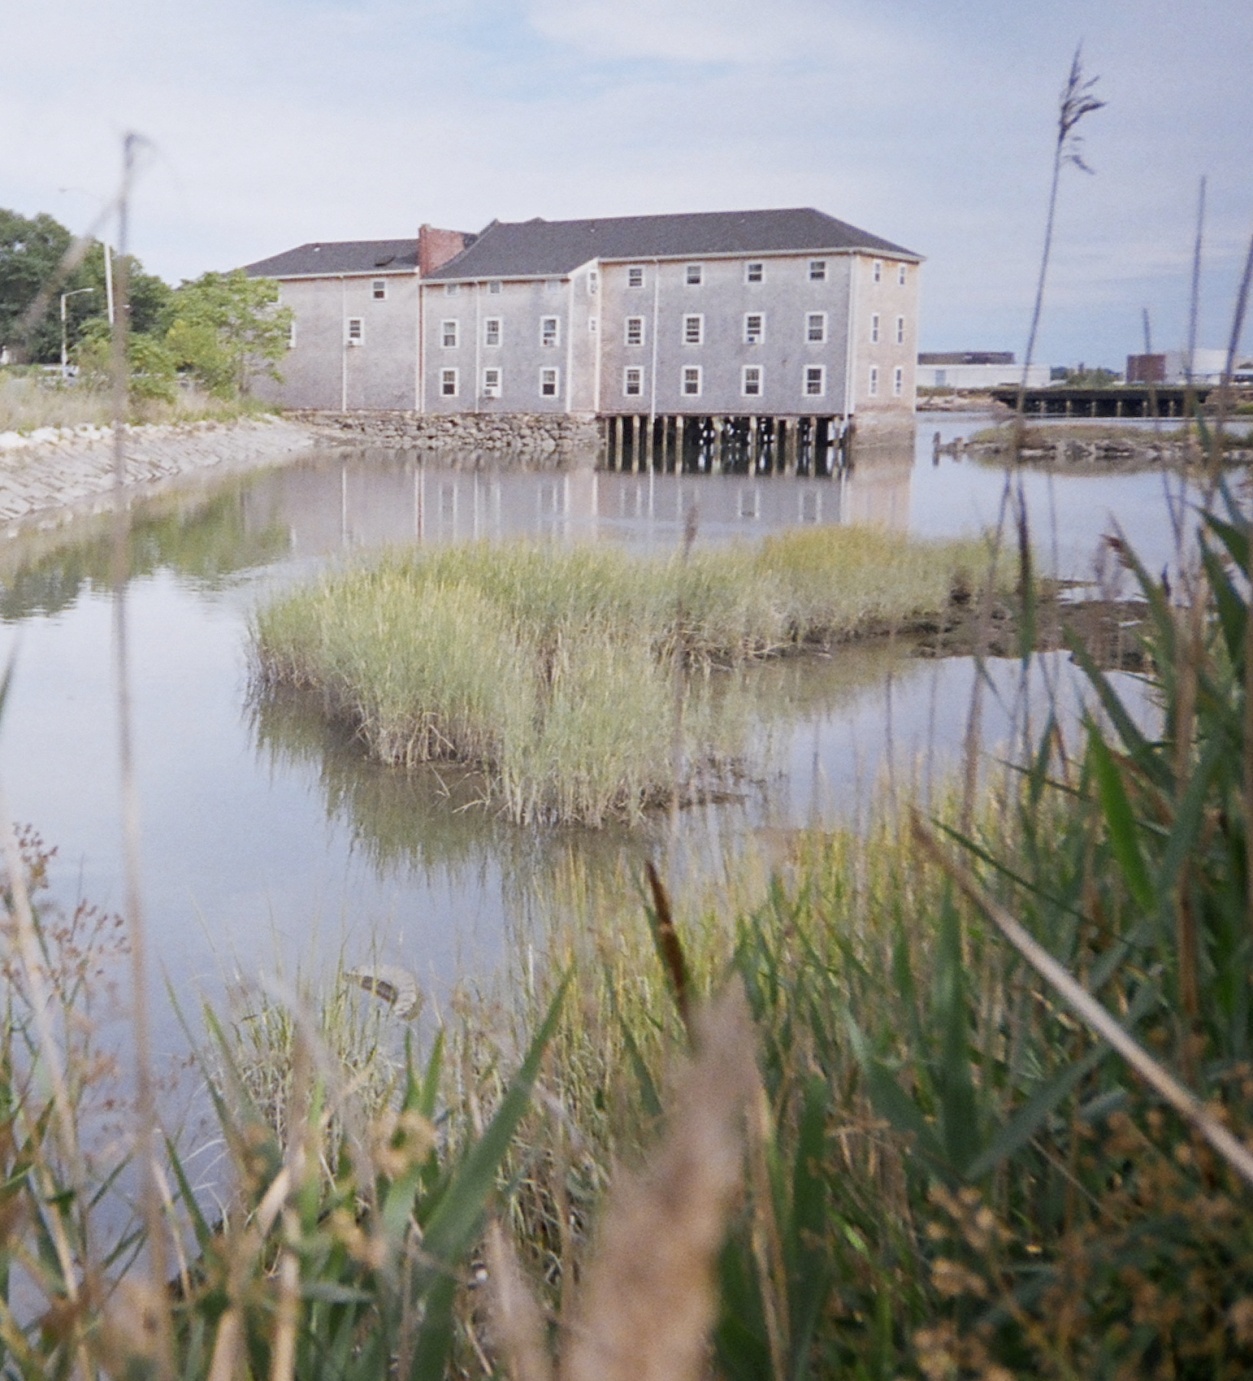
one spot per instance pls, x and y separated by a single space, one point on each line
553 671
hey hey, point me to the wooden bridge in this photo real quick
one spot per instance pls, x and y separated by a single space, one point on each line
1113 400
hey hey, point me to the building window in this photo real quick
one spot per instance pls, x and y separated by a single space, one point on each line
448 383
494 286
817 270
491 330
355 330
750 381
378 290
633 381
694 275
754 272
900 330
550 331
449 334
874 380
451 289
491 383
816 327
549 381
593 282
898 381
877 271
291 333
874 328
754 328
691 381
635 276
693 330
593 325
900 274
815 380
634 330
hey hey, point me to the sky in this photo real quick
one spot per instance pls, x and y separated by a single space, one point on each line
270 123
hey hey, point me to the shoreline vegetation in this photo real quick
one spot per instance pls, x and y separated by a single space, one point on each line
1104 447
815 1117
589 684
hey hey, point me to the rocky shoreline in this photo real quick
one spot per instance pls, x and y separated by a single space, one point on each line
1100 452
56 474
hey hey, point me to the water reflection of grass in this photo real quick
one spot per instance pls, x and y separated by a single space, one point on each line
206 540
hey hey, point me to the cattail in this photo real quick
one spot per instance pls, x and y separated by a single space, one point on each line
649 1299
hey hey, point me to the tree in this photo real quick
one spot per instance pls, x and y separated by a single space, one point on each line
228 329
153 374
30 250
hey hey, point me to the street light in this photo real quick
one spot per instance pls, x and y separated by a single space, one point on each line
65 359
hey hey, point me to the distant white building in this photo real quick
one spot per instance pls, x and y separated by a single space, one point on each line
1208 366
972 370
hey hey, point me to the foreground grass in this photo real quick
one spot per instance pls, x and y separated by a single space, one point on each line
30 400
891 1153
582 681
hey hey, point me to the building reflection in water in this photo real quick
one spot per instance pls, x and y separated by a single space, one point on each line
361 500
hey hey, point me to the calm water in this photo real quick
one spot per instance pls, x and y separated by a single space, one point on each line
267 839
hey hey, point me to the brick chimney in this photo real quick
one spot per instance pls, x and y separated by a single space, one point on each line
437 247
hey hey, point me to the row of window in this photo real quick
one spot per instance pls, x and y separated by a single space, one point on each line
691 382
694 276
693 331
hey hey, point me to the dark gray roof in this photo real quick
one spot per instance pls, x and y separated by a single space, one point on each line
340 256
539 247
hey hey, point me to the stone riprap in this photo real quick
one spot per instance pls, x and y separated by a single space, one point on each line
54 473
500 441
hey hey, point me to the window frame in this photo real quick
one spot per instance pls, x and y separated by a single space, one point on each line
900 275
635 275
874 328
695 374
354 330
638 371
900 330
758 375
452 289
876 271
818 320
445 343
755 271
634 325
378 290
814 374
872 388
898 382
693 275
488 323
817 270
752 337
699 319
450 375
495 286
555 371
593 282
544 333
488 389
